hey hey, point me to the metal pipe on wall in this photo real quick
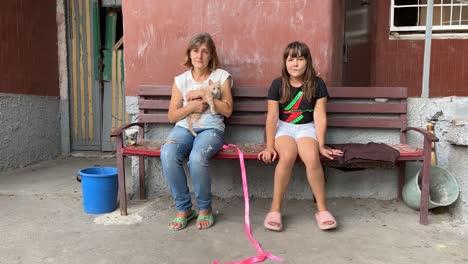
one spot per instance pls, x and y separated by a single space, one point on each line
427 50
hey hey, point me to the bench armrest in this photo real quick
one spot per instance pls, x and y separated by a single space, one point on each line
118 131
424 132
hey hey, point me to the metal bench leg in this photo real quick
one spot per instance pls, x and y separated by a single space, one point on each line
121 175
141 177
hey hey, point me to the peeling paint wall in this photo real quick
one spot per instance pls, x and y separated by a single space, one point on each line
250 37
30 129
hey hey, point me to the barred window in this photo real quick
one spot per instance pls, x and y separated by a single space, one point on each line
449 16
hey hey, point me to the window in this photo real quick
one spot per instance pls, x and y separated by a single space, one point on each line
409 16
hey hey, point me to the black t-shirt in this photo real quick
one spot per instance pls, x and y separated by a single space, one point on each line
298 110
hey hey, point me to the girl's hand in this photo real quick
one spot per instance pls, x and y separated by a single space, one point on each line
197 106
330 153
194 94
268 155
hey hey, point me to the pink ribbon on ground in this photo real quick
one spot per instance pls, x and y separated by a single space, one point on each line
261 254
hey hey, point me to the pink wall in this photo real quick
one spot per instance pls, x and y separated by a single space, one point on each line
250 37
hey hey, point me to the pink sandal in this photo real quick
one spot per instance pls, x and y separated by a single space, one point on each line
273 221
323 217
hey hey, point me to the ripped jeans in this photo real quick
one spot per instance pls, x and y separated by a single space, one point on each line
178 145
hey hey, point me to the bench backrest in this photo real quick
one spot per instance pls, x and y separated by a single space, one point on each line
350 107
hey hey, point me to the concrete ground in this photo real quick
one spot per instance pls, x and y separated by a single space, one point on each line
43 222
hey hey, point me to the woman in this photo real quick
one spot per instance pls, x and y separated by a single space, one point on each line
187 98
296 125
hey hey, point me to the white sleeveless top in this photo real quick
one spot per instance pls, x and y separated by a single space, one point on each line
186 83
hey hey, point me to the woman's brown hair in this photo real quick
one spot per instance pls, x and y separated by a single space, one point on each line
298 49
195 42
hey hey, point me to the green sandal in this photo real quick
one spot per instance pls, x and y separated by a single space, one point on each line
209 218
182 220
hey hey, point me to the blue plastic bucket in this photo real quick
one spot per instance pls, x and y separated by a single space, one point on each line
99 186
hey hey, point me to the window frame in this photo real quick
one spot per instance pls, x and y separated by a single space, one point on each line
443 29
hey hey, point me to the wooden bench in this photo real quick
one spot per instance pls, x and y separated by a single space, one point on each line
349 107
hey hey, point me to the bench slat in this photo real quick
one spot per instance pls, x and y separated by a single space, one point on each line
255 92
252 92
163 104
153 118
155 90
165 90
252 120
153 104
256 106
157 104
362 122
259 120
368 92
251 151
384 108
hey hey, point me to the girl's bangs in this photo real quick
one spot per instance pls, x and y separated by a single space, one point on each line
295 51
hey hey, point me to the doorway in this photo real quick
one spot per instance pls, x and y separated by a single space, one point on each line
96 73
357 46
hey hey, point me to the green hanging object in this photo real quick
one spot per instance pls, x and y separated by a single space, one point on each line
111 3
110 39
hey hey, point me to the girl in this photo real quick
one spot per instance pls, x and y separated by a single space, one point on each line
296 124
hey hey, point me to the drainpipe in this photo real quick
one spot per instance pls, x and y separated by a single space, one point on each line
427 49
61 20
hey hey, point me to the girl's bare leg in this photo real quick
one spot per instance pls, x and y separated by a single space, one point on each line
308 150
287 151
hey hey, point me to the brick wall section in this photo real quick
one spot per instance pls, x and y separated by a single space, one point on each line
400 62
28 47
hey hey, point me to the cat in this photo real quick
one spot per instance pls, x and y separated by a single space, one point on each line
131 136
210 92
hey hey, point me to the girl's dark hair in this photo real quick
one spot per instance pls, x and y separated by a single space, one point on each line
298 49
195 42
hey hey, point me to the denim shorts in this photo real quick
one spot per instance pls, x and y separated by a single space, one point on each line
295 130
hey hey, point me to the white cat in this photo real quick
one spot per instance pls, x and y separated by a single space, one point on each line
210 92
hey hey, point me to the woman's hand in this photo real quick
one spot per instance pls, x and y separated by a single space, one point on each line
330 153
268 155
194 94
197 106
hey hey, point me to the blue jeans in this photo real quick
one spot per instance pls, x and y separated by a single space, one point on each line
178 145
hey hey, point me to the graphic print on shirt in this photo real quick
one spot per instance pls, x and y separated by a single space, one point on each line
295 114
